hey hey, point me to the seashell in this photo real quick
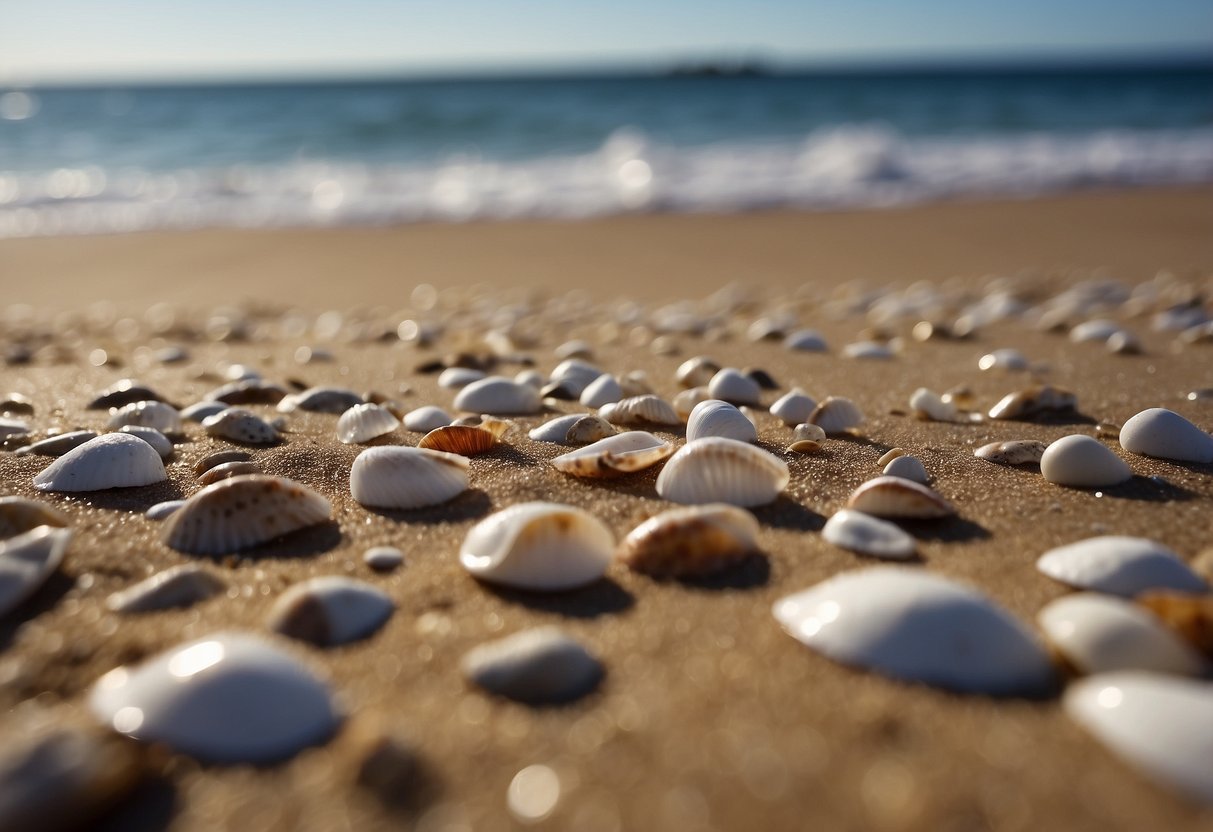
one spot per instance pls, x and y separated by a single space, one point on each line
499 396
720 470
1123 343
556 430
160 511
809 432
1160 725
867 351
151 436
908 468
426 419
237 425
1189 616
918 627
605 389
1101 634
691 542
226 698
58 445
929 406
250 391
1165 434
180 586
836 415
719 418
868 535
557 392
804 446
767 329
574 375
228 470
805 340
13 427
1082 462
794 407
465 440
539 666
17 403
20 514
1014 452
1201 333
623 453
27 560
330 610
217 458
1004 359
1033 401
640 410
589 428
320 400
115 460
538 546
243 512
121 393
889 455
734 387
762 378
201 410
364 422
897 497
455 378
532 378
383 558
158 415
1098 330
1116 565
686 401
576 348
696 372
405 478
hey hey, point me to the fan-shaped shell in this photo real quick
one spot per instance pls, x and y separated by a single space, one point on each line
836 415
719 470
405 478
20 514
497 395
238 425
115 460
330 610
27 560
163 417
719 418
364 422
465 440
898 497
623 453
640 410
692 541
538 546
243 512
1013 452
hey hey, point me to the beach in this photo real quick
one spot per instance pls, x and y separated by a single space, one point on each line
709 715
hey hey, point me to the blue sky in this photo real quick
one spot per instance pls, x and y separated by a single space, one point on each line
79 39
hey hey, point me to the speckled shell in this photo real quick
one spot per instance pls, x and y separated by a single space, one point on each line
718 470
330 610
1013 452
397 477
27 560
538 546
243 512
898 497
238 425
364 422
115 460
623 453
691 542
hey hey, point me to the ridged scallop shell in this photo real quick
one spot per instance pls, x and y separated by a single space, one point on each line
538 546
623 453
427 418
686 401
364 422
538 666
225 698
868 535
719 418
333 400
217 458
330 610
238 425
794 407
1118 565
20 514
690 542
405 478
59 444
465 440
180 586
121 393
199 411
227 470
115 460
735 387
836 415
908 468
454 378
696 372
605 389
159 442
805 340
1079 461
1013 452
243 512
640 410
1165 434
27 560
1024 404
158 415
718 470
500 396
897 497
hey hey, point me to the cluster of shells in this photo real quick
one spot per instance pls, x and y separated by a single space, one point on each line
714 449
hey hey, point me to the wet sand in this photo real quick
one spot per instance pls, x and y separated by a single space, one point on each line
709 716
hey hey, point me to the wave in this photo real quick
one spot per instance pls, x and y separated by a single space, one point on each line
853 166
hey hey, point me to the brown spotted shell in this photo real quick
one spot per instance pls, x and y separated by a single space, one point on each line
243 512
691 542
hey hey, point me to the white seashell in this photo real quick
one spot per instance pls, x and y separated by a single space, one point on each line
537 666
918 627
836 415
243 512
574 375
576 348
1024 404
605 389
238 425
499 396
538 546
889 455
161 511
623 453
151 436
27 560
330 610
1101 634
20 514
1098 330
333 400
1165 434
454 378
867 350
1115 565
1082 462
697 371
805 340
58 445
930 406
201 410
397 477
115 460
808 432
163 417
531 378
908 468
226 698
735 387
640 410
719 418
1004 359
589 428
364 422
897 497
868 535
427 418
555 430
719 470
1014 452
1160 725
686 401
13 427
794 407
691 542
383 558
1123 343
180 586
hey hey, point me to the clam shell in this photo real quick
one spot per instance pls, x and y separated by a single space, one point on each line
836 415
555 430
686 401
794 407
908 468
243 512
180 586
605 389
805 340
227 470
897 497
719 470
868 535
250 391
1165 434
121 393
918 627
696 372
640 410
1024 404
27 560
161 511
718 418
115 460
320 400
1014 452
163 417
735 387
20 514
1124 566
397 477
690 542
537 666
226 698
159 442
218 458
364 422
1079 461
810 432
623 453
930 406
426 419
330 610
58 445
201 410
237 425
383 558
465 440
1003 359
538 546
574 375
454 378
589 428
499 396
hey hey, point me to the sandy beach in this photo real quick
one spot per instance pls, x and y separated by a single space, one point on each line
709 715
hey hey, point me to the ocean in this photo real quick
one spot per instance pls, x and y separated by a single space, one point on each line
125 158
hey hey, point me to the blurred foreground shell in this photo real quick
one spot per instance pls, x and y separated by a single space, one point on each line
243 512
539 546
1191 616
623 453
465 440
588 429
691 542
21 514
27 560
330 610
115 460
718 470
1118 565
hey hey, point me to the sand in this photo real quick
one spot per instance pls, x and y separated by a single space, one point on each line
709 717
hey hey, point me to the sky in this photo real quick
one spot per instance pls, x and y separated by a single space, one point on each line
79 40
